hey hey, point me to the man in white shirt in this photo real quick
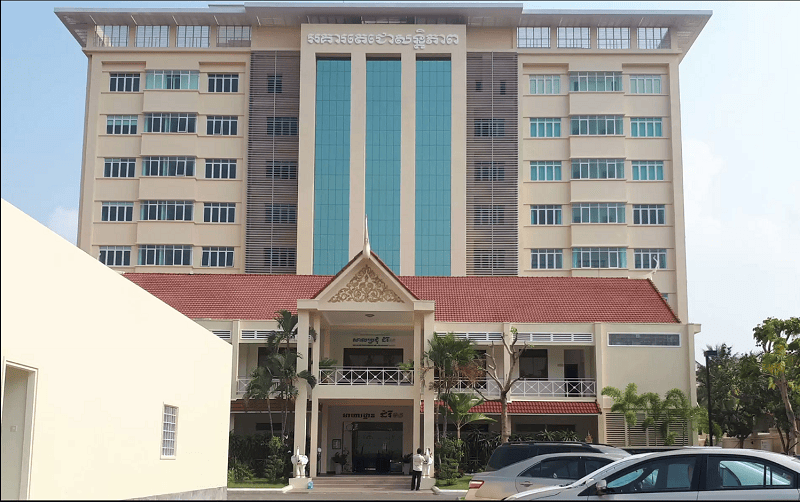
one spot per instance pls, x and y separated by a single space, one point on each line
416 469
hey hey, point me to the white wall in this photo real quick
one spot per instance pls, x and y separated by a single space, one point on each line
108 356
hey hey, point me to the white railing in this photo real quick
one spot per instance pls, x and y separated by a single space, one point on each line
571 387
362 375
243 382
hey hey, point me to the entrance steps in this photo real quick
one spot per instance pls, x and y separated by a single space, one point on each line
360 483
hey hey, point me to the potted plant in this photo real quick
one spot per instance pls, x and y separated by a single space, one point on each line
339 459
407 464
406 371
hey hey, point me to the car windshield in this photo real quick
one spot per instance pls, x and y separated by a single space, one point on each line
606 468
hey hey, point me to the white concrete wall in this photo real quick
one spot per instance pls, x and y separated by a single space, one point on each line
108 356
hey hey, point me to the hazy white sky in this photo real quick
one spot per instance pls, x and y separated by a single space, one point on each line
740 119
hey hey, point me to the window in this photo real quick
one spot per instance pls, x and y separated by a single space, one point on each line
598 169
649 258
282 126
115 256
152 36
282 170
547 258
233 36
595 81
223 82
219 212
168 166
172 79
648 170
489 215
169 429
533 363
488 260
222 125
671 474
281 213
166 210
545 84
221 168
731 473
645 84
490 171
653 38
490 127
545 170
560 468
274 84
117 211
537 38
479 85
613 38
599 258
649 214
170 122
649 127
656 339
119 168
217 257
281 257
110 36
165 254
598 212
573 38
124 82
546 215
192 36
596 125
545 128
121 124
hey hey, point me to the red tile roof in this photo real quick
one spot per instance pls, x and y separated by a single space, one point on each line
535 408
457 299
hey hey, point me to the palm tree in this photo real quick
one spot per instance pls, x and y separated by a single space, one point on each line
261 386
285 371
629 403
447 354
457 407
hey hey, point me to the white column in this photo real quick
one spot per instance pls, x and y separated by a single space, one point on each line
428 417
416 426
301 404
314 426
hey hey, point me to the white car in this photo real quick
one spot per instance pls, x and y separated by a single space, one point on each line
544 470
690 473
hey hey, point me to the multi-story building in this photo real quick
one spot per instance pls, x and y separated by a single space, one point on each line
479 140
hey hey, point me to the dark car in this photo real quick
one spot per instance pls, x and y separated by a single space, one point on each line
516 451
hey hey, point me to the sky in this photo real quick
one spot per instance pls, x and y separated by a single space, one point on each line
740 124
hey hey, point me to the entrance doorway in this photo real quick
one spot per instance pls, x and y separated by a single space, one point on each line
373 357
377 447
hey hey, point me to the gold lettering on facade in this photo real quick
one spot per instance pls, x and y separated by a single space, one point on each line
420 39
366 286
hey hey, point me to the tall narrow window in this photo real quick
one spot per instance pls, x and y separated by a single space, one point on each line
169 431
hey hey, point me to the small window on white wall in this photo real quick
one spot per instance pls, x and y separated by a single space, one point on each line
168 431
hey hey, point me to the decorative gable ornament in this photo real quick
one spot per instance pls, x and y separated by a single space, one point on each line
366 286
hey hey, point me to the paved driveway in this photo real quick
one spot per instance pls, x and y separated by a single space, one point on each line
255 494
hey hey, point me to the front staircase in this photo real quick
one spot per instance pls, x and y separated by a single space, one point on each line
348 483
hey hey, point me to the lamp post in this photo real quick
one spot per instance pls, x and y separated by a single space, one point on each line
709 353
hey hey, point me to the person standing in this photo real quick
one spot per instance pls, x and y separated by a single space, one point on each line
416 469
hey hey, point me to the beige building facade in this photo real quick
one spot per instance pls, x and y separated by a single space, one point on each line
101 393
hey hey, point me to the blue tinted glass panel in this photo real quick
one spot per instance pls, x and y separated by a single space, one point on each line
332 167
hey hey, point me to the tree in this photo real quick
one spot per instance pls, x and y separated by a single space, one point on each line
261 386
780 341
674 408
629 403
447 356
456 406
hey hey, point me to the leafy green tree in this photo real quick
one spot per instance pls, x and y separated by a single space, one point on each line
674 408
627 402
447 356
780 361
261 386
457 405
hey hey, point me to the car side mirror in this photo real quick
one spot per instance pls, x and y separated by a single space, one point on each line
600 487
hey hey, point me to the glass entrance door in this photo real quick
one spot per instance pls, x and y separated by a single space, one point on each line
376 445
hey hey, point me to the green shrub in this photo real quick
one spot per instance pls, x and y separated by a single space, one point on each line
239 472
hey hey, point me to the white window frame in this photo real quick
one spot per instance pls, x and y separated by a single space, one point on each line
545 127
192 36
165 80
129 82
544 213
657 256
653 170
653 38
169 432
645 336
613 38
222 125
656 212
170 123
223 82
612 254
646 84
545 170
161 210
587 212
116 165
220 169
121 122
168 167
152 36
115 254
160 253
108 35
545 84
595 81
574 37
537 37
111 211
219 212
234 36
217 257
598 169
651 127
613 123
554 257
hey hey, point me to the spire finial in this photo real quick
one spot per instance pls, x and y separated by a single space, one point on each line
367 250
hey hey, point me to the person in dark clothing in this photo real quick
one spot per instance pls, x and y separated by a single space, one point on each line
416 469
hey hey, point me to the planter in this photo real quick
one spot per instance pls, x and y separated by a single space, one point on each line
407 469
337 468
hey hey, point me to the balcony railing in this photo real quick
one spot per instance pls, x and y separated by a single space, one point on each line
570 387
242 383
362 375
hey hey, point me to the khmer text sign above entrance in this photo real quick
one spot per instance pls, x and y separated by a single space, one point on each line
420 39
374 341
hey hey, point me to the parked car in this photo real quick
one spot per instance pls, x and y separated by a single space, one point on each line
692 473
542 470
515 451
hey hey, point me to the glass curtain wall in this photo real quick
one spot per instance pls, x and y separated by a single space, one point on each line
433 139
332 166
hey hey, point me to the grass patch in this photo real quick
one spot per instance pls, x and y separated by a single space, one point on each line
461 483
255 483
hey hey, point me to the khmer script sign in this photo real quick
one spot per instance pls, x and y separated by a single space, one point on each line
420 39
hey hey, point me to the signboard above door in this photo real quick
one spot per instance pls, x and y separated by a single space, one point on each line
374 341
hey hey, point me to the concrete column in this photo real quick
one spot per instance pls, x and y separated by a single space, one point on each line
416 429
314 426
428 394
235 334
305 163
323 436
408 133
358 135
301 404
599 368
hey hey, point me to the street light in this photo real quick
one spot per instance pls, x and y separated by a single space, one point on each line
709 353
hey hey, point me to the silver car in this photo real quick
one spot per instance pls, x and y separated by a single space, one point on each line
691 473
543 470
